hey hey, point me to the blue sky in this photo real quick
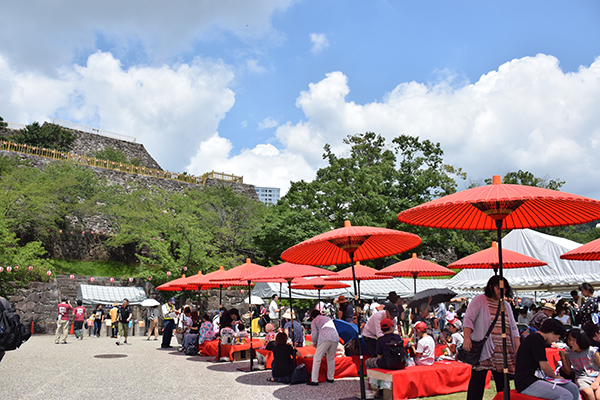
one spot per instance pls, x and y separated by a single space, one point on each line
257 88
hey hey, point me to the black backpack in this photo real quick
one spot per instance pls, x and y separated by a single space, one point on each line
12 332
395 357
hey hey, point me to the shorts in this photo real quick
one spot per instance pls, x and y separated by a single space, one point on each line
124 329
77 325
584 382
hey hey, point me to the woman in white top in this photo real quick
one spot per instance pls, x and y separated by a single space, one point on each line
563 313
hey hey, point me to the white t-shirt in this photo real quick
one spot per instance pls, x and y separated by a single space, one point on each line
426 346
457 339
564 319
374 306
273 313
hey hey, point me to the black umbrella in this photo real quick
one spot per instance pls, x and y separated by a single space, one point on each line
437 296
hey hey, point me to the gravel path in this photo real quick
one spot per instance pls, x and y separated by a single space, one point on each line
41 369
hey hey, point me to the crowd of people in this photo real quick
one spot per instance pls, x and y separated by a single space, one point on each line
390 325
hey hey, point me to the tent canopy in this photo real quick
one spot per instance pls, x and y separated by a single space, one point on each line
93 294
559 275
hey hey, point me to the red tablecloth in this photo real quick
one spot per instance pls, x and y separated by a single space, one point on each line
345 367
212 348
424 381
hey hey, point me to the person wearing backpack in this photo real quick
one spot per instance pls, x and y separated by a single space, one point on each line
62 323
12 332
390 352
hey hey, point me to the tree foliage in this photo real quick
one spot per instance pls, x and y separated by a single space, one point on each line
369 187
528 179
47 136
2 123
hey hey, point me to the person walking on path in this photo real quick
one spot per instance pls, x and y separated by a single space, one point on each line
98 320
153 322
125 316
114 313
169 315
78 318
62 323
325 338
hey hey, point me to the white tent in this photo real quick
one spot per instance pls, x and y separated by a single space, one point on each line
558 275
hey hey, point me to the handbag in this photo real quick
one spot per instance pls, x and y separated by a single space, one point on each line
472 356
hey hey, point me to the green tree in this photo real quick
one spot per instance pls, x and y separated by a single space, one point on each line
528 179
48 136
370 187
112 154
2 123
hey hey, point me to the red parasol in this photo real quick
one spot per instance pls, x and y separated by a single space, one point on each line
499 206
174 285
317 284
288 272
347 245
589 251
415 267
361 273
237 274
488 258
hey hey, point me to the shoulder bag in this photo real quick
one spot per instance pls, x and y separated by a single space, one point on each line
472 356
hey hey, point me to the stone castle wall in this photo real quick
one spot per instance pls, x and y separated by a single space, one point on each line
38 302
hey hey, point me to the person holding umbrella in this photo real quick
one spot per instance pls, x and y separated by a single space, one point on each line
483 311
325 338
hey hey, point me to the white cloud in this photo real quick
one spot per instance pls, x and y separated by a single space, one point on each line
170 109
267 123
52 33
264 165
252 65
319 41
527 115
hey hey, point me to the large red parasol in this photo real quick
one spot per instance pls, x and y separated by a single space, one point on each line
174 285
317 284
589 251
288 272
499 206
415 267
347 245
237 274
361 273
488 258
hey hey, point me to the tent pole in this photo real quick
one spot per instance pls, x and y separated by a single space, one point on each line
289 281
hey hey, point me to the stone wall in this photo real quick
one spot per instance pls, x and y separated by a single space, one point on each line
38 302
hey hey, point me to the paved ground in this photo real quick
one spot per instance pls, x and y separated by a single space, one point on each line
41 369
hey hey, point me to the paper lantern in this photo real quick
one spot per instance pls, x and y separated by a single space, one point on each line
112 279
8 269
130 279
31 267
83 232
1 269
71 276
49 273
92 279
60 231
168 273
185 268
242 291
149 278
16 267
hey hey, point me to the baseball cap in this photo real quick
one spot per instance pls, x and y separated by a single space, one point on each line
421 326
392 309
386 323
172 300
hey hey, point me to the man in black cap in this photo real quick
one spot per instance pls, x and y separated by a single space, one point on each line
373 330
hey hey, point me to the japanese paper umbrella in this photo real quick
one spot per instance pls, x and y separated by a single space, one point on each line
174 285
503 206
237 274
317 284
360 273
347 245
288 272
489 258
589 251
415 267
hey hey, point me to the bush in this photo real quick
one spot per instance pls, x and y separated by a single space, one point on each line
45 136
